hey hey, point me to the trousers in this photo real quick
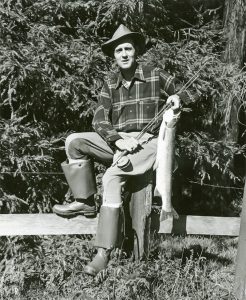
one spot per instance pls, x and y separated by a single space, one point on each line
90 145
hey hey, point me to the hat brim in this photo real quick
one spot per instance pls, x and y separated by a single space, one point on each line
137 38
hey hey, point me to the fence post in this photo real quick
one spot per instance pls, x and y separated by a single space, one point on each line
240 277
138 214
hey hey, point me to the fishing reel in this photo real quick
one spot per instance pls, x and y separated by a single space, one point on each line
124 163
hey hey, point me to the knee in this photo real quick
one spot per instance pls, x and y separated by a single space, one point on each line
69 139
109 178
75 146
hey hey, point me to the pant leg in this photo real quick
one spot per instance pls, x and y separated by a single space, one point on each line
79 170
87 145
114 179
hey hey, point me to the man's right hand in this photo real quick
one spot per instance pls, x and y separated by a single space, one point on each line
129 144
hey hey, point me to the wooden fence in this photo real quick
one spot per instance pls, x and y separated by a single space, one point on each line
51 224
143 221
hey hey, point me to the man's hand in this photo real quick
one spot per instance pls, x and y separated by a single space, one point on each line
172 114
129 144
175 101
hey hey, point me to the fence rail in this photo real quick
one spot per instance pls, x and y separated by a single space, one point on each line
51 224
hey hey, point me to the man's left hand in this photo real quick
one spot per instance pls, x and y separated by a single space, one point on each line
175 101
129 144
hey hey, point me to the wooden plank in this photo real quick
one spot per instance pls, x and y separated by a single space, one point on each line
50 224
45 224
202 225
240 276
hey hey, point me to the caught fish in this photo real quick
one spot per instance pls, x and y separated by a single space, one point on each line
164 168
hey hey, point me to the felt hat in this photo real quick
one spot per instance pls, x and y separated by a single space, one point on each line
121 33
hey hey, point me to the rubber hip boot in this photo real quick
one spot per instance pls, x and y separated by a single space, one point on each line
108 236
81 180
99 262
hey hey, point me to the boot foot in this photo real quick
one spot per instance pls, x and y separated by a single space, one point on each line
74 209
99 262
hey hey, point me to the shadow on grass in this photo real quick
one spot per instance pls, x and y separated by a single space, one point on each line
197 252
175 249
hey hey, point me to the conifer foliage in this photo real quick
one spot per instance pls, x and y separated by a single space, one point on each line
52 69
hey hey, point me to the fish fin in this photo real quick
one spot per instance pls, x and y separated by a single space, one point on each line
175 214
155 165
156 192
175 166
168 214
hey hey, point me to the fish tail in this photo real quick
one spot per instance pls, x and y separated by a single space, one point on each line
168 214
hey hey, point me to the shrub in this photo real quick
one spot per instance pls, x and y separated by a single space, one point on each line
52 70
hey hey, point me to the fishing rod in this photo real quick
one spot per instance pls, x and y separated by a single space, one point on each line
163 110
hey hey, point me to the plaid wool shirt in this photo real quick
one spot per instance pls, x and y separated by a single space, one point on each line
124 108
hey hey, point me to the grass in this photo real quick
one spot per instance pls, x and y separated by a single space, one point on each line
178 268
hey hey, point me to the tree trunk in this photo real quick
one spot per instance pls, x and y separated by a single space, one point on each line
235 31
235 50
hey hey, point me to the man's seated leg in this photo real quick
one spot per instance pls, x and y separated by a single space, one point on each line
110 223
107 238
79 172
108 234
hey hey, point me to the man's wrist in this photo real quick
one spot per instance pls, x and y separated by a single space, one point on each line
112 142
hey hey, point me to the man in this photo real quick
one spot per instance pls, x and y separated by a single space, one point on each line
128 101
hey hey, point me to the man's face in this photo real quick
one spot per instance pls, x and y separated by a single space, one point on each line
125 55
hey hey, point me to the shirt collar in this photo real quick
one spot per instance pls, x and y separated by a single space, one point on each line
137 75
